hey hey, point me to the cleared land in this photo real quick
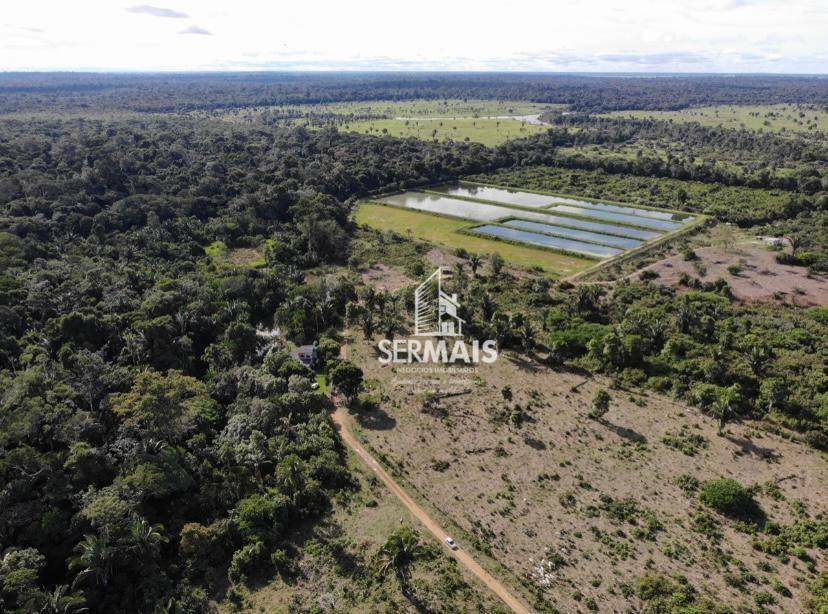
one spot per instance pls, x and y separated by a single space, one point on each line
444 231
488 131
769 118
585 511
589 229
752 273
479 121
434 108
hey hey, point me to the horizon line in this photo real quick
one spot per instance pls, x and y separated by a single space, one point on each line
218 71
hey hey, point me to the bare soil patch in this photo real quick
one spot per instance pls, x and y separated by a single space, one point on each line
385 277
760 278
439 257
544 493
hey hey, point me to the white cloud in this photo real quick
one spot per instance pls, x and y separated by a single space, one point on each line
157 11
565 35
195 30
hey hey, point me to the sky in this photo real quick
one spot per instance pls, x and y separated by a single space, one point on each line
776 36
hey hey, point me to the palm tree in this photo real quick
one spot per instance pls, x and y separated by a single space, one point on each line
390 325
527 336
291 473
794 242
146 538
256 455
724 406
382 301
587 299
501 328
475 262
368 324
459 272
756 357
399 551
369 297
487 306
685 316
60 601
95 560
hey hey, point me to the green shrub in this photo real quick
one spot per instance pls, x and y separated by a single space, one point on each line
600 404
246 562
764 598
727 497
687 483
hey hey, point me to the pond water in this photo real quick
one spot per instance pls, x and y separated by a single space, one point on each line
617 217
533 238
478 212
583 235
483 212
637 211
501 195
607 229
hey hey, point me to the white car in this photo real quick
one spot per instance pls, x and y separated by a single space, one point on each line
451 543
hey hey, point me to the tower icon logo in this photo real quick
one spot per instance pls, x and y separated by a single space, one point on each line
435 311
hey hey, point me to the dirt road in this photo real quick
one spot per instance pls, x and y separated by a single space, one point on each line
342 422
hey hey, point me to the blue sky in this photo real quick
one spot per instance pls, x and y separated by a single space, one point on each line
551 35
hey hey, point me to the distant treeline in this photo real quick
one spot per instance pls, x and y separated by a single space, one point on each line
182 92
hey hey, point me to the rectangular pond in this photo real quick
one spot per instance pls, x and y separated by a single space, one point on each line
506 196
571 233
637 211
477 212
617 217
484 212
541 240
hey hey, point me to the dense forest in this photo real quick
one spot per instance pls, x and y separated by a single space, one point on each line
167 93
154 439
144 437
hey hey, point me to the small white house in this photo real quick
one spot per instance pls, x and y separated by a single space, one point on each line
450 322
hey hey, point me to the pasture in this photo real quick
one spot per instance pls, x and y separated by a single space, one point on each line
490 122
768 118
485 130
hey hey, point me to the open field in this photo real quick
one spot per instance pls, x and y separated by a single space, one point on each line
242 257
773 118
752 272
586 511
748 265
444 231
481 121
487 131
451 108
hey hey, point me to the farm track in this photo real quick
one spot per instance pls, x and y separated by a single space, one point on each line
342 423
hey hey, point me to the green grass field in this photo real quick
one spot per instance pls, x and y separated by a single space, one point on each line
434 108
770 118
489 132
243 257
458 120
443 231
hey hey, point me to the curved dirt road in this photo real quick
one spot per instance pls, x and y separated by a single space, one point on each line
341 421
